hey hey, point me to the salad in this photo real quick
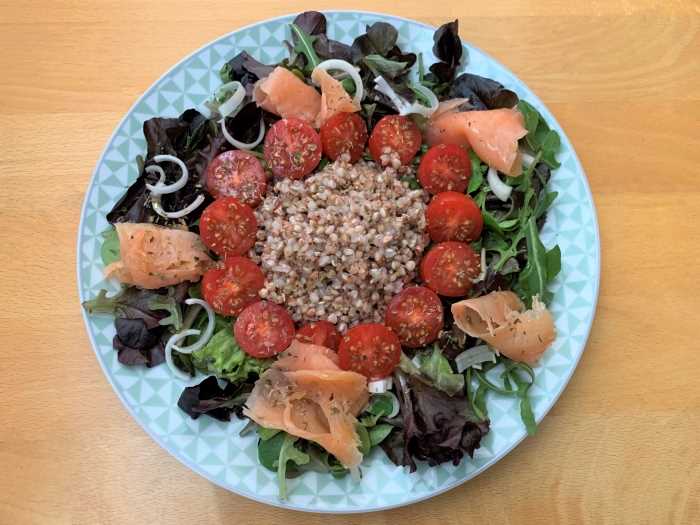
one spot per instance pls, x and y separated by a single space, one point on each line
342 249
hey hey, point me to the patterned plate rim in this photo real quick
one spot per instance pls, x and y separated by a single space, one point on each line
278 503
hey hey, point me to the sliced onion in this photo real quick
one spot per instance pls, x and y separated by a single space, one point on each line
404 106
482 273
154 168
473 357
238 143
178 214
234 101
527 159
380 386
432 101
499 188
172 345
346 67
161 188
208 331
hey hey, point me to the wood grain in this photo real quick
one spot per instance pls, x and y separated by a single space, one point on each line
620 446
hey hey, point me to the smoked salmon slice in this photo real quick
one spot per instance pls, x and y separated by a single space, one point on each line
306 394
286 95
334 98
493 134
154 256
501 320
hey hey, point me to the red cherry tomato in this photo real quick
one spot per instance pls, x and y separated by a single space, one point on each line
416 316
395 134
228 227
237 174
371 349
445 167
453 216
264 329
449 267
230 289
344 133
321 333
292 148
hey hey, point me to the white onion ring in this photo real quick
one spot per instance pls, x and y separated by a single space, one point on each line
432 101
234 101
239 144
482 273
380 386
404 106
527 159
208 331
161 188
178 214
171 345
499 188
383 87
346 67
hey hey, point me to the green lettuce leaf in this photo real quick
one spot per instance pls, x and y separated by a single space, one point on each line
110 250
222 357
435 369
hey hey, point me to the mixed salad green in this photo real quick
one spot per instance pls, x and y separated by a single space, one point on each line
437 409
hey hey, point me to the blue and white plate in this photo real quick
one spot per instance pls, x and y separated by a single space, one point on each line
214 449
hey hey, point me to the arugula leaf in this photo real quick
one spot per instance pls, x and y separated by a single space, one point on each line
539 136
384 66
304 44
541 268
288 452
109 252
478 171
513 385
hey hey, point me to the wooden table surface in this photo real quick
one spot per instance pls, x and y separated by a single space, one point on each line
620 446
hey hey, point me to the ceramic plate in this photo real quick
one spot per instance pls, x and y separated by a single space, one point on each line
214 449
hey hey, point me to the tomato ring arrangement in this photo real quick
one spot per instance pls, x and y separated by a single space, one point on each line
347 246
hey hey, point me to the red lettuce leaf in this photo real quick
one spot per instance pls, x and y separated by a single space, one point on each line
437 428
448 49
483 93
209 398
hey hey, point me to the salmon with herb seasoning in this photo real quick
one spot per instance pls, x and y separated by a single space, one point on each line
154 256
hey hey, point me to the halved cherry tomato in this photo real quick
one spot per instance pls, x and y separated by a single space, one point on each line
395 134
230 289
321 333
292 148
264 329
228 227
415 316
344 133
449 267
453 216
237 174
445 167
371 349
